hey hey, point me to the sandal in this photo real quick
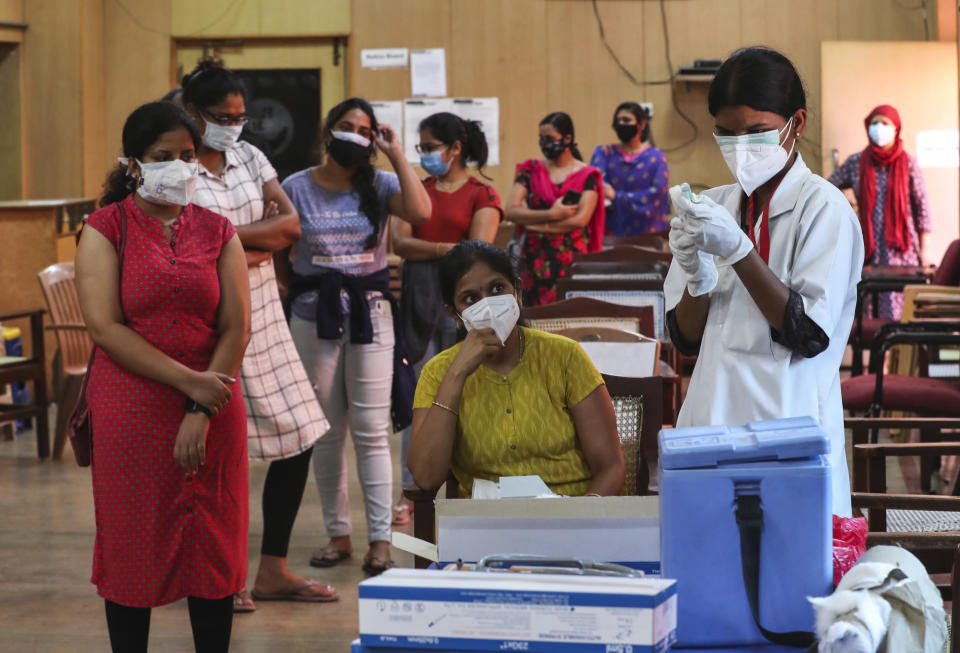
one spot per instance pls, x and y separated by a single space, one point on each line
374 566
302 593
330 556
243 602
401 514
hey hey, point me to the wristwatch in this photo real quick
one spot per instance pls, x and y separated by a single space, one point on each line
193 407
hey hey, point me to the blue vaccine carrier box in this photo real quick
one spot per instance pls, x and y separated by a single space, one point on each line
704 473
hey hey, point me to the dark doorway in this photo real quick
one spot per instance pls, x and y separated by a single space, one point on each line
283 106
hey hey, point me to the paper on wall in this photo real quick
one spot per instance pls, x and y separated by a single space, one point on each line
938 148
389 113
428 73
384 58
484 110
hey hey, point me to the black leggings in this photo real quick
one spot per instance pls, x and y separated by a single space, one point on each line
210 619
282 492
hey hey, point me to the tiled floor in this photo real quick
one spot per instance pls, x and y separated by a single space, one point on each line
48 605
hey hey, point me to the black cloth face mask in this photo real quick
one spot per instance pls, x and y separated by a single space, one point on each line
626 132
348 154
552 149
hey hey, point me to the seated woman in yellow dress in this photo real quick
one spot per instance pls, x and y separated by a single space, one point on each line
509 400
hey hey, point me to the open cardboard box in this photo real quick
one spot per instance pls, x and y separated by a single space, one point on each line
622 530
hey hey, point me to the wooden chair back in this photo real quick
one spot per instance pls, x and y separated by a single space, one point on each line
630 253
654 240
938 551
626 270
586 311
63 303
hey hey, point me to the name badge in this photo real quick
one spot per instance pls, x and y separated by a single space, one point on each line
345 259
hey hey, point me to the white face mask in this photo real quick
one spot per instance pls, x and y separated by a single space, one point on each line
497 312
755 158
170 183
221 137
881 133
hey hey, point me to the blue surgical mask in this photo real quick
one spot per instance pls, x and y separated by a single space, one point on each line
433 163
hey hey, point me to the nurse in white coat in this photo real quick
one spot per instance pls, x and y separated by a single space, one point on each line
763 282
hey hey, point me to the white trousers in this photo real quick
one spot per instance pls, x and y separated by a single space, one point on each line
353 384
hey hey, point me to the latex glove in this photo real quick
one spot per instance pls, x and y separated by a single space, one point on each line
699 267
715 231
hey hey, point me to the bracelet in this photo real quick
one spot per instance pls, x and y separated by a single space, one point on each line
446 408
192 406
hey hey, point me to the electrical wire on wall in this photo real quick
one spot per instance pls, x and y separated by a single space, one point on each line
673 93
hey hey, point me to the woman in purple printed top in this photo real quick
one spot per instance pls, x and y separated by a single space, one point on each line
890 198
635 175
341 319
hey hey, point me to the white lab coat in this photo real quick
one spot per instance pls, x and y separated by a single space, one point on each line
742 375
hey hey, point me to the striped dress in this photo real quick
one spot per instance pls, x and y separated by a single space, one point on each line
284 417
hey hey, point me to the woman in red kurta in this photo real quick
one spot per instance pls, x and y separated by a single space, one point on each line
169 425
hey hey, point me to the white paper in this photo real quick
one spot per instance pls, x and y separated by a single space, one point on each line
938 148
414 545
630 359
414 111
428 73
384 58
485 110
389 113
524 487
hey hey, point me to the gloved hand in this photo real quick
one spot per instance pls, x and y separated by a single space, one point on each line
699 267
714 230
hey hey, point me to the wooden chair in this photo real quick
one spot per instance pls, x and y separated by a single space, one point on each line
636 403
14 369
60 291
625 270
629 253
938 550
655 240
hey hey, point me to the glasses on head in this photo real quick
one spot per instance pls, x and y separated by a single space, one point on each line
226 120
428 148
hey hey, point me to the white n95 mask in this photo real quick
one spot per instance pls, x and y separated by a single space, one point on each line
754 159
170 183
497 312
881 134
221 137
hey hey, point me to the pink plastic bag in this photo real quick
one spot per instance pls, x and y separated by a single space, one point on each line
849 543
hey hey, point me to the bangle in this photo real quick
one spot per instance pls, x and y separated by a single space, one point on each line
193 407
446 408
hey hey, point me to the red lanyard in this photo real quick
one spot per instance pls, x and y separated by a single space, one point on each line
763 247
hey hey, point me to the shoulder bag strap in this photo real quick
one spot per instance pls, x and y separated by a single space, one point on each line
750 522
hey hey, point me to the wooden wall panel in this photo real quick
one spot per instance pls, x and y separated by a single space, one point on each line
51 86
92 95
10 123
137 67
11 11
260 17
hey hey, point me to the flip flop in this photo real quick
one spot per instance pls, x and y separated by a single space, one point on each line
375 566
330 556
242 602
296 593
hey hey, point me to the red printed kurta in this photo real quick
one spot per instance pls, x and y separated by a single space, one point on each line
163 535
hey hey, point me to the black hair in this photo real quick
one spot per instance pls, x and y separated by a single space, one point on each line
362 179
141 130
464 255
174 95
449 128
210 84
641 114
760 78
563 123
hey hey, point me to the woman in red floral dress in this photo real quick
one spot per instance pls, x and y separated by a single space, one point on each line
553 230
168 308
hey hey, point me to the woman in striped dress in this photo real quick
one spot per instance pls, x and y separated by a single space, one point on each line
284 418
